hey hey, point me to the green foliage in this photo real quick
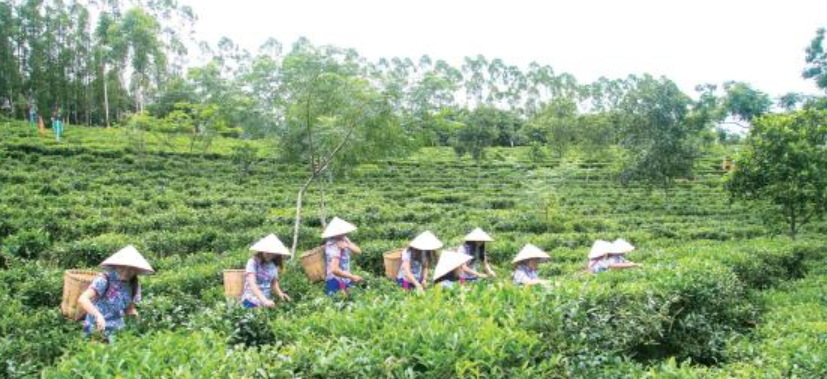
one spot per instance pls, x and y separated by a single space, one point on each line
661 144
478 131
745 102
784 163
816 58
245 156
699 298
28 244
195 355
327 102
558 121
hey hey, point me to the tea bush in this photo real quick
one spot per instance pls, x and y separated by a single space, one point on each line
712 298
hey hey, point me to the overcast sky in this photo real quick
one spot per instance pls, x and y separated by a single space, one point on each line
691 42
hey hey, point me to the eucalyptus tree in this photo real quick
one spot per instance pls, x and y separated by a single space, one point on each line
538 78
136 39
474 79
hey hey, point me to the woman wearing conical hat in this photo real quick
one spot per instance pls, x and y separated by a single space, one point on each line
416 261
114 293
261 275
526 262
606 255
337 250
448 271
474 245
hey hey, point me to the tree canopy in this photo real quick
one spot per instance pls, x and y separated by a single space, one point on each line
784 163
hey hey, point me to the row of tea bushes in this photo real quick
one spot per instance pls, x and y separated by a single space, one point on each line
686 308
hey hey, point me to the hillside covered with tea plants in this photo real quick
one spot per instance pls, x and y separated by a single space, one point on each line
723 292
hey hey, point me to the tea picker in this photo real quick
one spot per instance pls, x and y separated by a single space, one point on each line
261 275
448 271
606 256
474 246
338 250
114 293
57 124
416 262
526 262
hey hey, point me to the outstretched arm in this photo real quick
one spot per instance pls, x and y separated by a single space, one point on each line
86 301
251 281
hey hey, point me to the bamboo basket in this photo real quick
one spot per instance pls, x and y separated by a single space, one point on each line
75 282
233 283
393 260
313 264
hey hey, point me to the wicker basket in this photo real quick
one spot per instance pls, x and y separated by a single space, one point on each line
233 283
393 260
75 282
313 264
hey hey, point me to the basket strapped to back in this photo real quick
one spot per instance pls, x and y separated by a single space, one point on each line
75 282
393 260
233 283
313 262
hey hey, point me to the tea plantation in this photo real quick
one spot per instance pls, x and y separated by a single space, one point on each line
721 292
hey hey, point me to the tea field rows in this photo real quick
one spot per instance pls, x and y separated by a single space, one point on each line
715 290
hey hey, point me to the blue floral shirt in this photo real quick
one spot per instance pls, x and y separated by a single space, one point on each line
523 274
476 253
265 274
332 251
416 265
602 264
114 297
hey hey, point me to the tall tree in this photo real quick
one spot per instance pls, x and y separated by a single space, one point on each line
332 114
136 39
661 145
784 162
558 122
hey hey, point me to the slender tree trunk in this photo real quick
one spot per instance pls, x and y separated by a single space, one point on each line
323 214
105 95
793 223
323 164
299 199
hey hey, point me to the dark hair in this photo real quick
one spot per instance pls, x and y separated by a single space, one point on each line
477 253
449 276
277 258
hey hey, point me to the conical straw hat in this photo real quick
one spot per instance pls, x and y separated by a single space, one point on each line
600 248
621 246
530 251
271 245
338 227
478 235
129 257
448 261
426 241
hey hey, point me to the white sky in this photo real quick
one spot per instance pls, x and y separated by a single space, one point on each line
691 42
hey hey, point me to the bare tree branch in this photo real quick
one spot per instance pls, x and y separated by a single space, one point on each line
323 165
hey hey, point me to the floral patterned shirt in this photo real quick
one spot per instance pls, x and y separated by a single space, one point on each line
265 274
476 253
602 264
416 265
332 251
523 274
114 297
